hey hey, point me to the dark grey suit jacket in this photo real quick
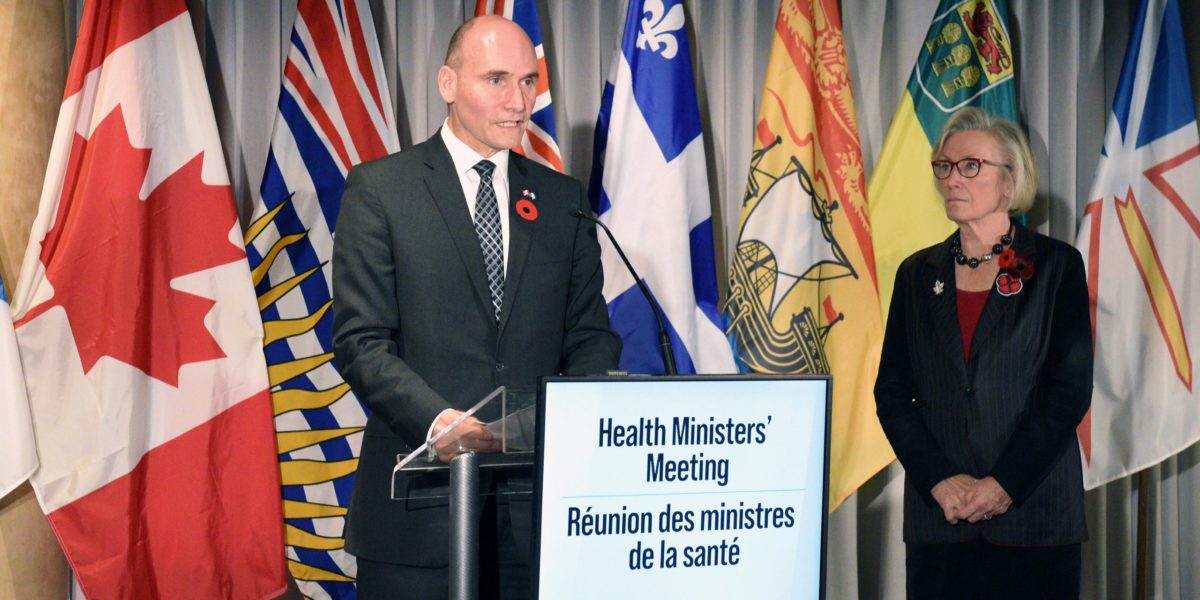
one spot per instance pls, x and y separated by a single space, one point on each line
414 331
1010 411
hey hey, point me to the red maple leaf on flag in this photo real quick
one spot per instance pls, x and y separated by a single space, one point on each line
111 256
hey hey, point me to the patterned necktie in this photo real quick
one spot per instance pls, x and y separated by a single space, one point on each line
487 227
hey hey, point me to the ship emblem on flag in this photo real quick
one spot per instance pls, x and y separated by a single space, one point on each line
785 212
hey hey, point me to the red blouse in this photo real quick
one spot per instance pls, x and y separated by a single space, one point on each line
970 306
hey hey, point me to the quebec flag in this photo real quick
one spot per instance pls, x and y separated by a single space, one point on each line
650 186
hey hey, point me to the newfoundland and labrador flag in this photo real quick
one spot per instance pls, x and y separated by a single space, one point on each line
966 60
334 112
802 284
1140 238
650 186
539 143
138 331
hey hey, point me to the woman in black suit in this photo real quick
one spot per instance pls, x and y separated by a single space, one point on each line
985 373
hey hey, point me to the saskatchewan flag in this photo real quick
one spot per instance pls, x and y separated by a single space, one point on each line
802 293
966 60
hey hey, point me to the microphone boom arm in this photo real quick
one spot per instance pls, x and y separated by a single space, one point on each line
664 339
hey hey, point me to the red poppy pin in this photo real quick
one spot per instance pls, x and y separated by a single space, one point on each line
1007 285
1022 267
1015 270
525 206
1006 258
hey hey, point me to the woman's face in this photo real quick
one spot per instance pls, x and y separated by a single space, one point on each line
970 199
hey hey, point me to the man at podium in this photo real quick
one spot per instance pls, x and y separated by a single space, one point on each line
459 266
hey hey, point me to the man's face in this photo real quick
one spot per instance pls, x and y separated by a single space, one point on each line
490 92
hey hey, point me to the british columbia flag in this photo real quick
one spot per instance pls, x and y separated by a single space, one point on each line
539 142
1140 238
334 112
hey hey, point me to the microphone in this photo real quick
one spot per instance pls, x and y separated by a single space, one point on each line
664 339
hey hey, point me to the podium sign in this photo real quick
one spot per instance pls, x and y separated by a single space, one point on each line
688 487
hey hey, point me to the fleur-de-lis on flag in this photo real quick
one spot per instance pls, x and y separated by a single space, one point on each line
657 25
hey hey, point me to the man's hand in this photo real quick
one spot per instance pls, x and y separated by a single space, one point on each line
951 495
470 435
985 500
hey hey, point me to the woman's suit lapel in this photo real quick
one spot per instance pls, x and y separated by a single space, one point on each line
998 304
939 290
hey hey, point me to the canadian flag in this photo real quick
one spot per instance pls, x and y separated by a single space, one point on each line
139 332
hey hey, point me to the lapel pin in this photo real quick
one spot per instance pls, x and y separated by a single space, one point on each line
938 287
1007 285
525 206
1015 270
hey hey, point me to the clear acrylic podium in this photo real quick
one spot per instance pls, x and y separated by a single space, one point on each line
516 431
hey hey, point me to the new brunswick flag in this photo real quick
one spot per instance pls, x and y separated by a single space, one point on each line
966 60
802 292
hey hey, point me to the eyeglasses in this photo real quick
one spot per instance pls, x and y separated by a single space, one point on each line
967 167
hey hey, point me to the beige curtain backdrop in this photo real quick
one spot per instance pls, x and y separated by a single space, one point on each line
1069 57
33 50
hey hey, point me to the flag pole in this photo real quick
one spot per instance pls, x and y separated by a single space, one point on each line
1143 525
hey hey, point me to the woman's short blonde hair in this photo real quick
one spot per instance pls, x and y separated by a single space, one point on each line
1013 144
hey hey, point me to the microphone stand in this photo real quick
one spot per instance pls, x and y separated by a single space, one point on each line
664 339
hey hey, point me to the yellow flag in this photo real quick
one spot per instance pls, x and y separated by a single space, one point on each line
966 60
803 294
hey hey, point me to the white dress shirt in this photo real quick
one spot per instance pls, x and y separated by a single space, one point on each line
465 160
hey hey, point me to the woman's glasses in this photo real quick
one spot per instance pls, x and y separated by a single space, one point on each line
967 167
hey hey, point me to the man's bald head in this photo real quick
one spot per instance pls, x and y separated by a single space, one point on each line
486 24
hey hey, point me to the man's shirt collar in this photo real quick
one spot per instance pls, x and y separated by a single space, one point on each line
465 158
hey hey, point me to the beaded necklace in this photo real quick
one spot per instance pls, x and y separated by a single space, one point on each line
974 262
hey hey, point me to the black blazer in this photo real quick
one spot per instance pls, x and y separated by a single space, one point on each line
1010 411
414 331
